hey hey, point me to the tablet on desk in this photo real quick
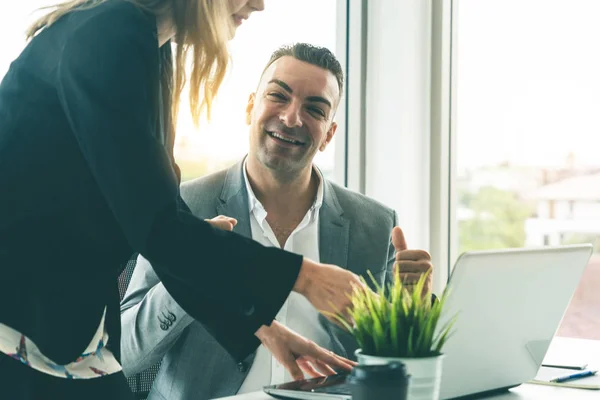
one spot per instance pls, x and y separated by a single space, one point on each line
330 387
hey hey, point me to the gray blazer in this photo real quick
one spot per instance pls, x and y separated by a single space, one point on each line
354 233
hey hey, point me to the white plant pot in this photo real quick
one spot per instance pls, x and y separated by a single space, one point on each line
425 373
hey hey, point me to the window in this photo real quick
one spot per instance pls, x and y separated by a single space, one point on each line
527 144
224 140
15 17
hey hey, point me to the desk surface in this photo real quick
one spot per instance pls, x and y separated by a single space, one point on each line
559 346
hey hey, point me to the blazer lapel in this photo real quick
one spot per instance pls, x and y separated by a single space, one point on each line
234 200
334 229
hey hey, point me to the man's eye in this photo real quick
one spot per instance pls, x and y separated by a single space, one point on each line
317 111
276 96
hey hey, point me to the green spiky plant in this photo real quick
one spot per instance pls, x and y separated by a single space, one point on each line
397 322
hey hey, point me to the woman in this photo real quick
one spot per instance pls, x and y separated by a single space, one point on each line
87 177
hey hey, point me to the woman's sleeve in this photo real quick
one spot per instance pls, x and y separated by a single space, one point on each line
106 81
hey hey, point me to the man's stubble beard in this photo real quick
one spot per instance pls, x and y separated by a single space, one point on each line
283 170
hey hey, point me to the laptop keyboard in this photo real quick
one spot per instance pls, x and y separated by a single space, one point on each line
342 388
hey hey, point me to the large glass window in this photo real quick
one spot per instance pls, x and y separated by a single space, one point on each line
528 133
224 140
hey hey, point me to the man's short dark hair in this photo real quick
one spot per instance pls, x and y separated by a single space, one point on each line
315 55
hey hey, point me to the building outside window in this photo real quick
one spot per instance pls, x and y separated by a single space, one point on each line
528 134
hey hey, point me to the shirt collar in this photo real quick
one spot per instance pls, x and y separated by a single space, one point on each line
256 207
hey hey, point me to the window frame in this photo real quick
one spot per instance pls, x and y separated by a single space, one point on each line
443 224
350 151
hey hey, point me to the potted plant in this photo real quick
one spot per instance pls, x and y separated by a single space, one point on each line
397 324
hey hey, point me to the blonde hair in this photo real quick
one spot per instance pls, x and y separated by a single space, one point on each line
200 29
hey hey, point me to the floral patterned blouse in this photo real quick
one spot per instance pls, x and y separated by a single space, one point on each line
95 361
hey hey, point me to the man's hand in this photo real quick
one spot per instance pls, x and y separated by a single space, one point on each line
327 287
411 264
299 355
222 222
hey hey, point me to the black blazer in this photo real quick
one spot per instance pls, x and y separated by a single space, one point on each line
85 181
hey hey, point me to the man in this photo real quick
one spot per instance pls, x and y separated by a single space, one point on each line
277 197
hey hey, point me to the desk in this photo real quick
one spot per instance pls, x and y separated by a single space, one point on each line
591 348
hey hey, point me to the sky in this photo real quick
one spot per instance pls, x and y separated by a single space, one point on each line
528 87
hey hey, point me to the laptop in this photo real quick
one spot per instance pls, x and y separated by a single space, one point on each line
510 304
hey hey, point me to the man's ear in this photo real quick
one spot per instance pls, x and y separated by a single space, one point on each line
330 134
249 108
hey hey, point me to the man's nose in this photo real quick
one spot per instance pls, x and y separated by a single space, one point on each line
290 116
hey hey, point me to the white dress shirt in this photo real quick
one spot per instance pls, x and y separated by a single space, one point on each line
297 313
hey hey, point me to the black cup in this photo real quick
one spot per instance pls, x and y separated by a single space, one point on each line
379 382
